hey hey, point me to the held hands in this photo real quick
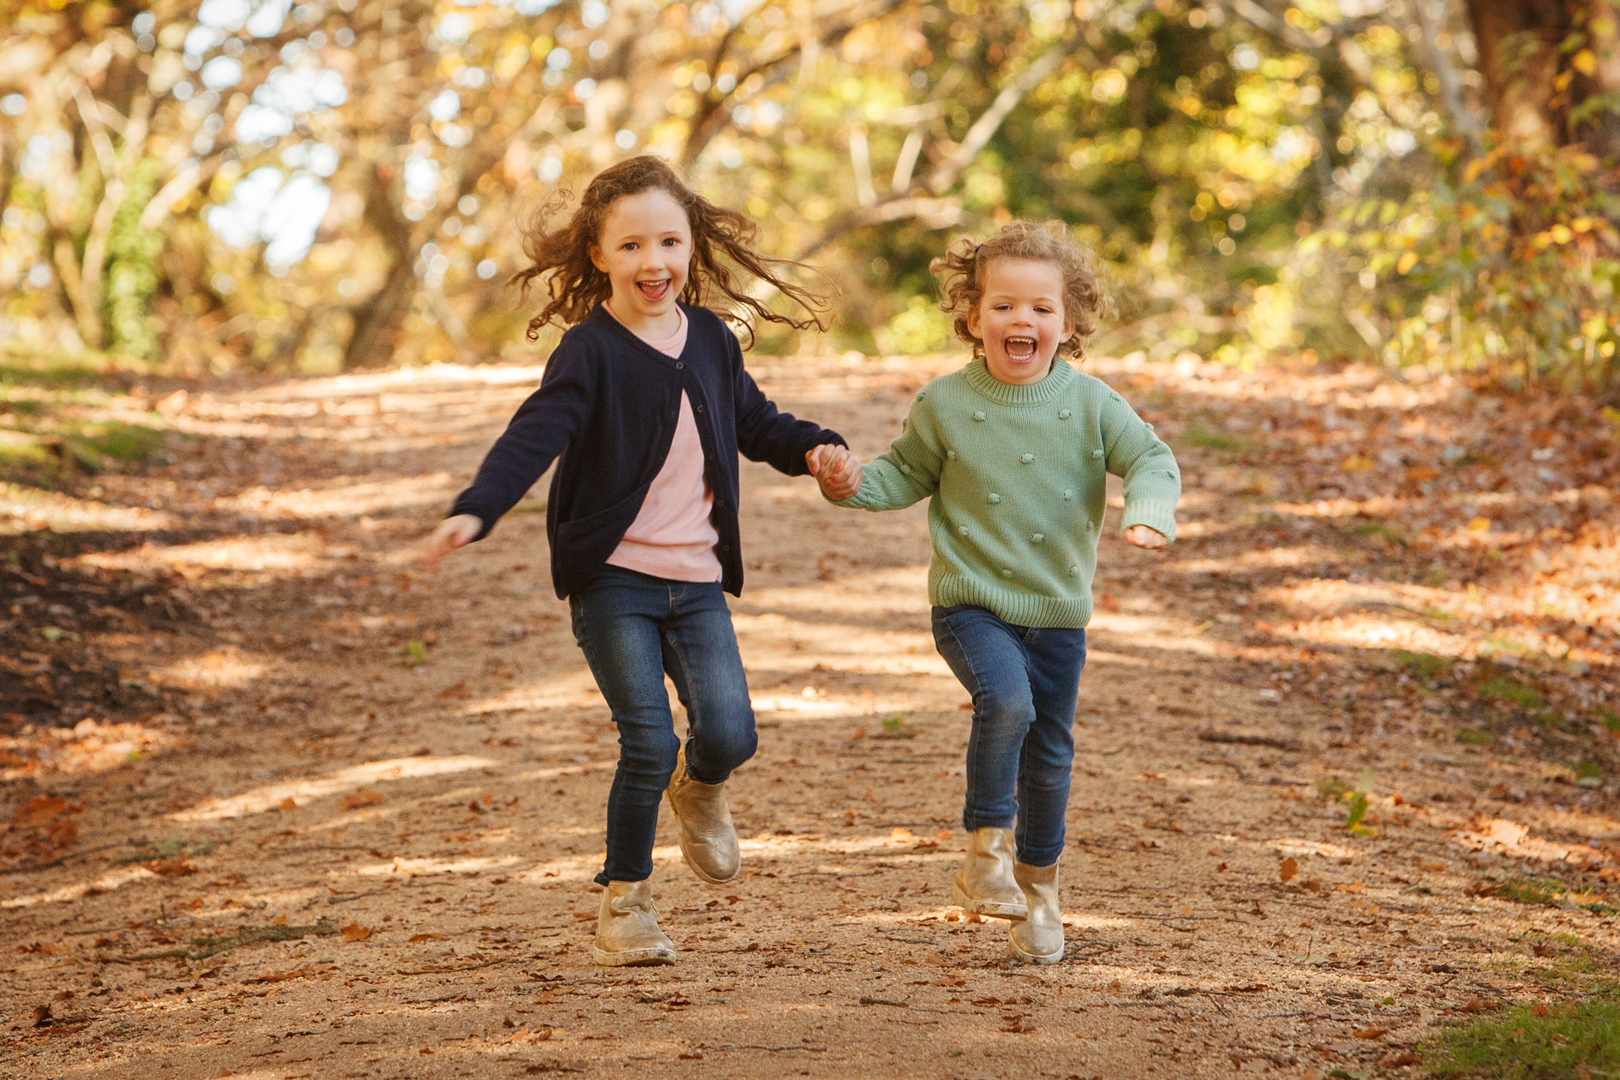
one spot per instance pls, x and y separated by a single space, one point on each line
1143 537
452 533
836 469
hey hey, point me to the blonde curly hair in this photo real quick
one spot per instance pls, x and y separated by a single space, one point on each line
963 267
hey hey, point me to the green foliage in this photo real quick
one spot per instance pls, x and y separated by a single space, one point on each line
132 273
1535 1042
1474 737
1199 435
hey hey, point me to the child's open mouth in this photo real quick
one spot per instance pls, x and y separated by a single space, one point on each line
653 291
1020 348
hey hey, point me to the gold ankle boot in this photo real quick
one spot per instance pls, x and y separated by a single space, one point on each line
985 884
703 825
1039 938
627 933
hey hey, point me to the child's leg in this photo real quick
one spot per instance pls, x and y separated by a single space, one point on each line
700 653
987 656
617 622
1047 762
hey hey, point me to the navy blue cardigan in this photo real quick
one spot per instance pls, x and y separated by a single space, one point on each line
607 407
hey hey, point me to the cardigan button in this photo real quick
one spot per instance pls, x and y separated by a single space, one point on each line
679 366
979 416
1005 572
951 454
698 408
994 498
1037 538
963 529
1096 453
1074 571
1026 458
1063 414
1067 495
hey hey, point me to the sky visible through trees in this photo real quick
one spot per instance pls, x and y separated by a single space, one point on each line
323 186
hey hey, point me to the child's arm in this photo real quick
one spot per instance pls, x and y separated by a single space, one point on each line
538 433
907 473
1152 478
765 433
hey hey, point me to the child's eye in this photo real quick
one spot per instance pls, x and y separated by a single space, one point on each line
629 245
671 241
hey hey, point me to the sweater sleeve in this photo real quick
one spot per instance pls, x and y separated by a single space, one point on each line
908 472
1152 478
537 434
764 433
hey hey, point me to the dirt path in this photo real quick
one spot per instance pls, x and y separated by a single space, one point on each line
359 844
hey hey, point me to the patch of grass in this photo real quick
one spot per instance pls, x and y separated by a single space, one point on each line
1426 664
1331 787
1521 694
1382 530
126 442
1535 1042
1551 892
1199 435
1474 737
1608 718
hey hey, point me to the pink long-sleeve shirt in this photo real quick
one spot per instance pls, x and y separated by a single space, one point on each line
673 536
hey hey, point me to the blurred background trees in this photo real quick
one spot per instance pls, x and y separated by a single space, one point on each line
259 184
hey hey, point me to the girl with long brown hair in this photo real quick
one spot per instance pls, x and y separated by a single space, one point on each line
645 404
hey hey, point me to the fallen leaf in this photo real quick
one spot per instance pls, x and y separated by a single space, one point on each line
1475 1005
356 800
287 804
696 1055
280 976
1370 1033
356 932
40 811
426 937
1354 886
1288 869
1431 865
1405 1057
42 1015
524 1035
1539 1009
176 867
279 920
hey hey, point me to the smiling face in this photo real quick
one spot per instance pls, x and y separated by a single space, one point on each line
645 249
1020 319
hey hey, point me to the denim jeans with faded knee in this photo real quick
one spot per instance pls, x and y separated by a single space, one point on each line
633 629
1025 682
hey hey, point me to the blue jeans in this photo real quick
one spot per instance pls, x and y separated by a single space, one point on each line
633 628
1025 683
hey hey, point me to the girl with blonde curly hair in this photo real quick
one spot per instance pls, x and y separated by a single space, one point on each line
1013 451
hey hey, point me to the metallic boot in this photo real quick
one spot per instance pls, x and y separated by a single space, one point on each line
985 884
703 824
1039 938
627 933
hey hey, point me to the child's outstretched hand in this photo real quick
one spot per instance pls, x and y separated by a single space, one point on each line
453 532
836 469
1143 537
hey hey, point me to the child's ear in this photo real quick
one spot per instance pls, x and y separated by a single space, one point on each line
973 320
595 252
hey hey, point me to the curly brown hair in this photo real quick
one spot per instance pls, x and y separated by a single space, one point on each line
962 271
576 286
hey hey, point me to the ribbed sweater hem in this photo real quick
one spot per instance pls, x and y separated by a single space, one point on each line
1020 609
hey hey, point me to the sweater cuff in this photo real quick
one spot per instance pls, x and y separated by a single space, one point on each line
1160 517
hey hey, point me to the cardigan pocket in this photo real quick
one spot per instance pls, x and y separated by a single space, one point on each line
592 538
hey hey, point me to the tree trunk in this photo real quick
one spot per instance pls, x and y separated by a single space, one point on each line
1520 58
378 321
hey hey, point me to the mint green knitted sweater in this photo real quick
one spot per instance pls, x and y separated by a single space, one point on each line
1018 487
